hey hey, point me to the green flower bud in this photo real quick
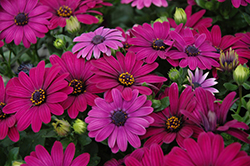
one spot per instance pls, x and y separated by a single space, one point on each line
16 163
180 16
59 43
241 74
72 25
62 127
174 74
161 19
79 126
100 18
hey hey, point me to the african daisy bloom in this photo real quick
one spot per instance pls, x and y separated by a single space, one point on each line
237 3
127 35
199 80
7 121
23 20
124 73
62 10
35 97
57 157
170 124
208 150
146 3
151 42
212 116
101 40
120 121
195 52
79 74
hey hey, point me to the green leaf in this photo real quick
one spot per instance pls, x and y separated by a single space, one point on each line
246 17
3 156
237 117
13 153
164 104
156 103
246 86
84 139
230 86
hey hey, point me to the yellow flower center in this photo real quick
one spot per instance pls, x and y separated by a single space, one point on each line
64 11
38 97
126 79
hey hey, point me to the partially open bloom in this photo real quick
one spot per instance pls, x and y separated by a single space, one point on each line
83 93
120 121
57 157
212 116
199 80
124 73
79 126
146 3
72 25
62 127
35 97
208 150
228 60
23 20
101 40
170 124
7 121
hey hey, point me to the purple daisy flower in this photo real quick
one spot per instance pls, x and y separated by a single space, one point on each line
120 121
193 51
23 20
199 80
101 40
126 73
146 3
79 73
35 97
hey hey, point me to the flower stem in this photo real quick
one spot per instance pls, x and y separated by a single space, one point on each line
240 103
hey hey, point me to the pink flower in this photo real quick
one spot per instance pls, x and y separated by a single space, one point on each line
193 50
101 40
23 20
7 121
146 3
237 3
124 73
41 156
94 3
78 79
120 121
35 97
208 150
211 115
127 35
62 10
170 124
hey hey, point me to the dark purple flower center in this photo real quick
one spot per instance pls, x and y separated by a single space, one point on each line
126 46
25 68
126 79
218 50
196 85
64 11
78 87
2 115
119 118
158 44
21 19
97 39
38 97
192 51
173 124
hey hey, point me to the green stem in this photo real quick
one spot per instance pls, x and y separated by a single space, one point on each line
240 103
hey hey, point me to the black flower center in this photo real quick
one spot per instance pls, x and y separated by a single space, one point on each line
2 115
21 19
126 79
195 85
192 51
119 118
38 97
77 86
64 11
173 124
158 44
97 39
218 50
126 46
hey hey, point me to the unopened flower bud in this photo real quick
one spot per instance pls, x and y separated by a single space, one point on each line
180 16
16 163
100 18
59 43
174 74
62 127
161 19
241 74
72 25
79 126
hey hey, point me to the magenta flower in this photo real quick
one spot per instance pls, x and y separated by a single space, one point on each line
94 4
127 35
199 80
62 10
7 121
150 42
211 115
208 150
126 73
35 97
193 20
170 124
146 3
120 121
194 52
1 43
237 3
101 40
78 79
41 156
23 20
